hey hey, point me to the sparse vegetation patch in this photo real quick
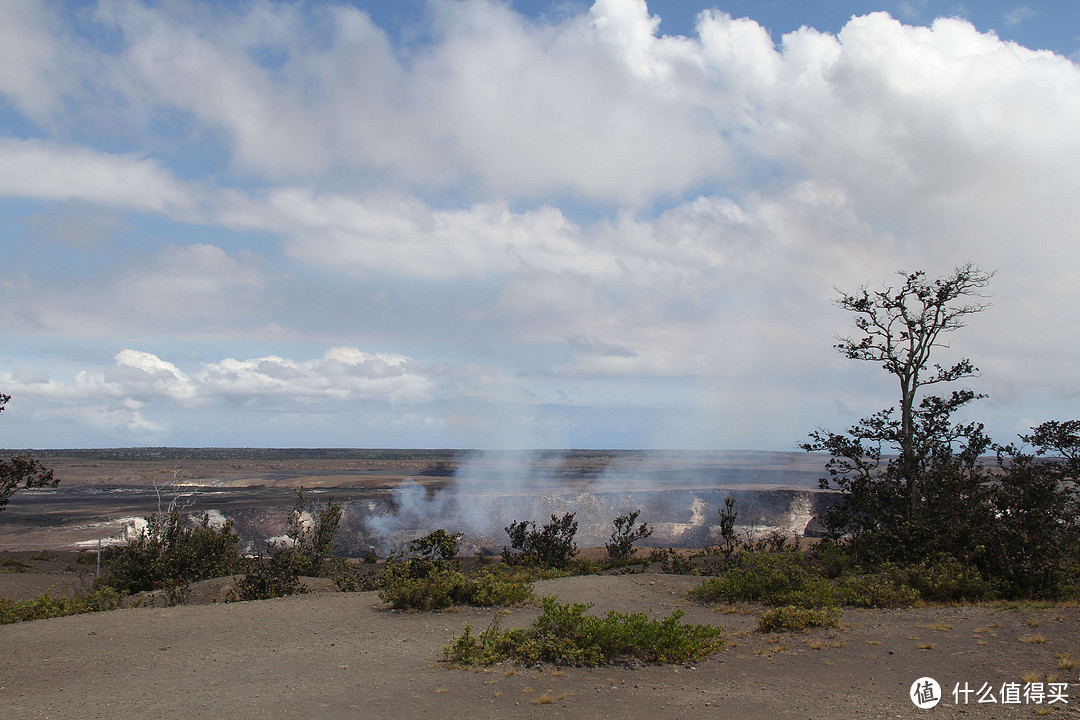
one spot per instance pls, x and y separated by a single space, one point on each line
565 635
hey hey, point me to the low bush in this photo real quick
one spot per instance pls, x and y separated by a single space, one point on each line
672 562
946 579
171 553
551 546
438 589
11 565
350 578
769 578
830 559
305 554
563 634
311 544
430 580
436 545
269 577
887 588
789 618
46 606
493 587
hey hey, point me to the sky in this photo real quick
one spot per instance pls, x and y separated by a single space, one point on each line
526 224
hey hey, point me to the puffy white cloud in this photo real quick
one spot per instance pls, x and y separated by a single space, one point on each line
558 209
342 373
138 389
142 376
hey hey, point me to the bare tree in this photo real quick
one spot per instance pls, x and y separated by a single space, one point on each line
900 327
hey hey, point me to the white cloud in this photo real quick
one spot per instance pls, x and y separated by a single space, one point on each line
142 376
409 239
139 388
719 187
44 170
342 373
33 72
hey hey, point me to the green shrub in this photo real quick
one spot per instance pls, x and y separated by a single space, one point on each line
830 559
275 576
46 606
551 546
349 578
565 635
305 554
769 578
430 580
446 587
620 548
413 584
9 565
946 579
491 587
311 546
886 588
487 648
437 545
171 553
784 619
672 562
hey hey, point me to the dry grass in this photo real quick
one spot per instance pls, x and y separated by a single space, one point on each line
940 626
1037 638
1065 661
1031 677
543 700
925 646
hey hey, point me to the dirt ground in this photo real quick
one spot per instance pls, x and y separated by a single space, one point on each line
343 655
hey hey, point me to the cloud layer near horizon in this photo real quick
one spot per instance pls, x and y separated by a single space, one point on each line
542 224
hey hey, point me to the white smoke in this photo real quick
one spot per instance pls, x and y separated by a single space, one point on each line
489 490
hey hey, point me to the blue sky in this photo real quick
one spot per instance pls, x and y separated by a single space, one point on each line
528 224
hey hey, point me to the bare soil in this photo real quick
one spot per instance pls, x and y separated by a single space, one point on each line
344 655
